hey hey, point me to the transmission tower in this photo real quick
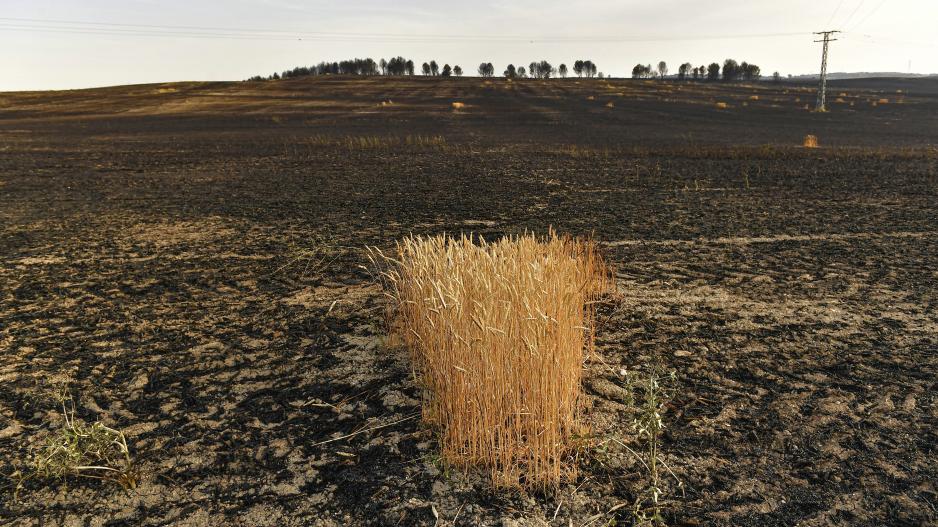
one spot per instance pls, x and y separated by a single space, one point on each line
821 105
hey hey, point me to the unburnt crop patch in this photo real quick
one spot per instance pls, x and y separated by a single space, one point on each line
499 332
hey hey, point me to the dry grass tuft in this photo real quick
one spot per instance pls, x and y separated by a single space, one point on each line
458 105
610 104
810 141
753 97
722 105
498 334
883 101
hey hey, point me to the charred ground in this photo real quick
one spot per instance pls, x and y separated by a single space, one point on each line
190 254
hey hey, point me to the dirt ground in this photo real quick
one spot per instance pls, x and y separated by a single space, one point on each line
191 255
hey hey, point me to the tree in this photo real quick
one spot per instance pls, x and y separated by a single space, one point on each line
521 73
640 71
696 74
447 71
585 67
684 71
662 69
486 69
400 66
562 70
384 66
541 70
510 72
434 68
751 72
713 72
425 68
776 77
730 70
457 71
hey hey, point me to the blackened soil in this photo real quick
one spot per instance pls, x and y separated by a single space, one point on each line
191 255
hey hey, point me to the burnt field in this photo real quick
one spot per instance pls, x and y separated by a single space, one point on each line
191 256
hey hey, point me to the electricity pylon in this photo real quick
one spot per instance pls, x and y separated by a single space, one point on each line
821 105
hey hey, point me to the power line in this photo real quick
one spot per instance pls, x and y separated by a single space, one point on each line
115 29
849 18
868 15
834 14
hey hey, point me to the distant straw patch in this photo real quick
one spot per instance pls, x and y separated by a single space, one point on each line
458 106
810 141
498 334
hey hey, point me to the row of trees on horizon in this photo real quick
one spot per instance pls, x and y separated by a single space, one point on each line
398 66
731 70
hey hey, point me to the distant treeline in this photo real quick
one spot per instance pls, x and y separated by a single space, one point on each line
402 66
730 71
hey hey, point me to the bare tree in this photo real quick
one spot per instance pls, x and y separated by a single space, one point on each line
384 66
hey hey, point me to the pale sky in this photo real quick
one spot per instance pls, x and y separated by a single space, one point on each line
55 44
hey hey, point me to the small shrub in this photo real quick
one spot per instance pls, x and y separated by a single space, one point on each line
78 449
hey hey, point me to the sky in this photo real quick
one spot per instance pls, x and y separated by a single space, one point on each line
61 44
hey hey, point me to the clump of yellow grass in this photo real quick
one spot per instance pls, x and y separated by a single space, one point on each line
722 106
458 105
498 333
810 141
